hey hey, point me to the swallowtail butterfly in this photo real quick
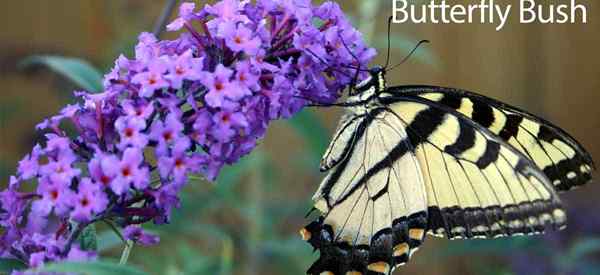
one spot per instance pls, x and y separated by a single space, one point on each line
409 161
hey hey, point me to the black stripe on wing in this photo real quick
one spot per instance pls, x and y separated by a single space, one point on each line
335 155
564 160
341 167
503 219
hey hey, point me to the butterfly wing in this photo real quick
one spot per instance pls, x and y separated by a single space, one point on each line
564 161
373 201
425 162
477 184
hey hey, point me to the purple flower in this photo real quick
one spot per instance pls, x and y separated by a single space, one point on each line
145 51
178 164
37 259
13 205
167 132
55 195
184 67
88 200
153 79
258 61
219 86
129 129
247 78
239 38
139 109
78 255
100 169
226 121
137 234
61 169
128 171
186 14
29 165
226 11
165 199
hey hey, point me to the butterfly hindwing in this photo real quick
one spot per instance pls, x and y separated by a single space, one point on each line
477 184
373 202
564 161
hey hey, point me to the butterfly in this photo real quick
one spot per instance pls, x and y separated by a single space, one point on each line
408 161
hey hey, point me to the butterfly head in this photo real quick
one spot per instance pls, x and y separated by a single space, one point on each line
378 73
374 84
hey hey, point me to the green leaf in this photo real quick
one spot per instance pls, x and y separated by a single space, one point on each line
88 238
8 265
77 70
192 261
91 268
309 127
108 240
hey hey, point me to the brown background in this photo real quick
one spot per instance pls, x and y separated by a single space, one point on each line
551 70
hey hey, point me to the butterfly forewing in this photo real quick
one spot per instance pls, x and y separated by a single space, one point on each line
564 161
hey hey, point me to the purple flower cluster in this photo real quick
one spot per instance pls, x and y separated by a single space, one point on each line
180 107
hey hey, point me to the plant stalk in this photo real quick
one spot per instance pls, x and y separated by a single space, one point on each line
160 24
126 252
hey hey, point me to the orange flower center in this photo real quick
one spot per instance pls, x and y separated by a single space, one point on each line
104 180
219 86
179 163
126 172
238 40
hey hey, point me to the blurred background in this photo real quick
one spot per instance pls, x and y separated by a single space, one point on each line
248 222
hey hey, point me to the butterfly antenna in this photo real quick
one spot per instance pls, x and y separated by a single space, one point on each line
358 69
313 103
389 42
410 54
325 62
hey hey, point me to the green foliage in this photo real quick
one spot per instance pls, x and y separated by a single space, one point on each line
91 268
77 70
311 129
108 240
8 265
88 238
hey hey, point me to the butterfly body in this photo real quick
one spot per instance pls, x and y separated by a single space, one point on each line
411 160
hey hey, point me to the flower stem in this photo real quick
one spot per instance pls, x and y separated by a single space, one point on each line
126 252
74 235
162 20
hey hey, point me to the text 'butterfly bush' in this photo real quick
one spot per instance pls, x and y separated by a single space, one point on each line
179 107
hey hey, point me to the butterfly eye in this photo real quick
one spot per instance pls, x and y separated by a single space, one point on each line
376 70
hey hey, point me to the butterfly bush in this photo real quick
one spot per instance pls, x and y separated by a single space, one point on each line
179 107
